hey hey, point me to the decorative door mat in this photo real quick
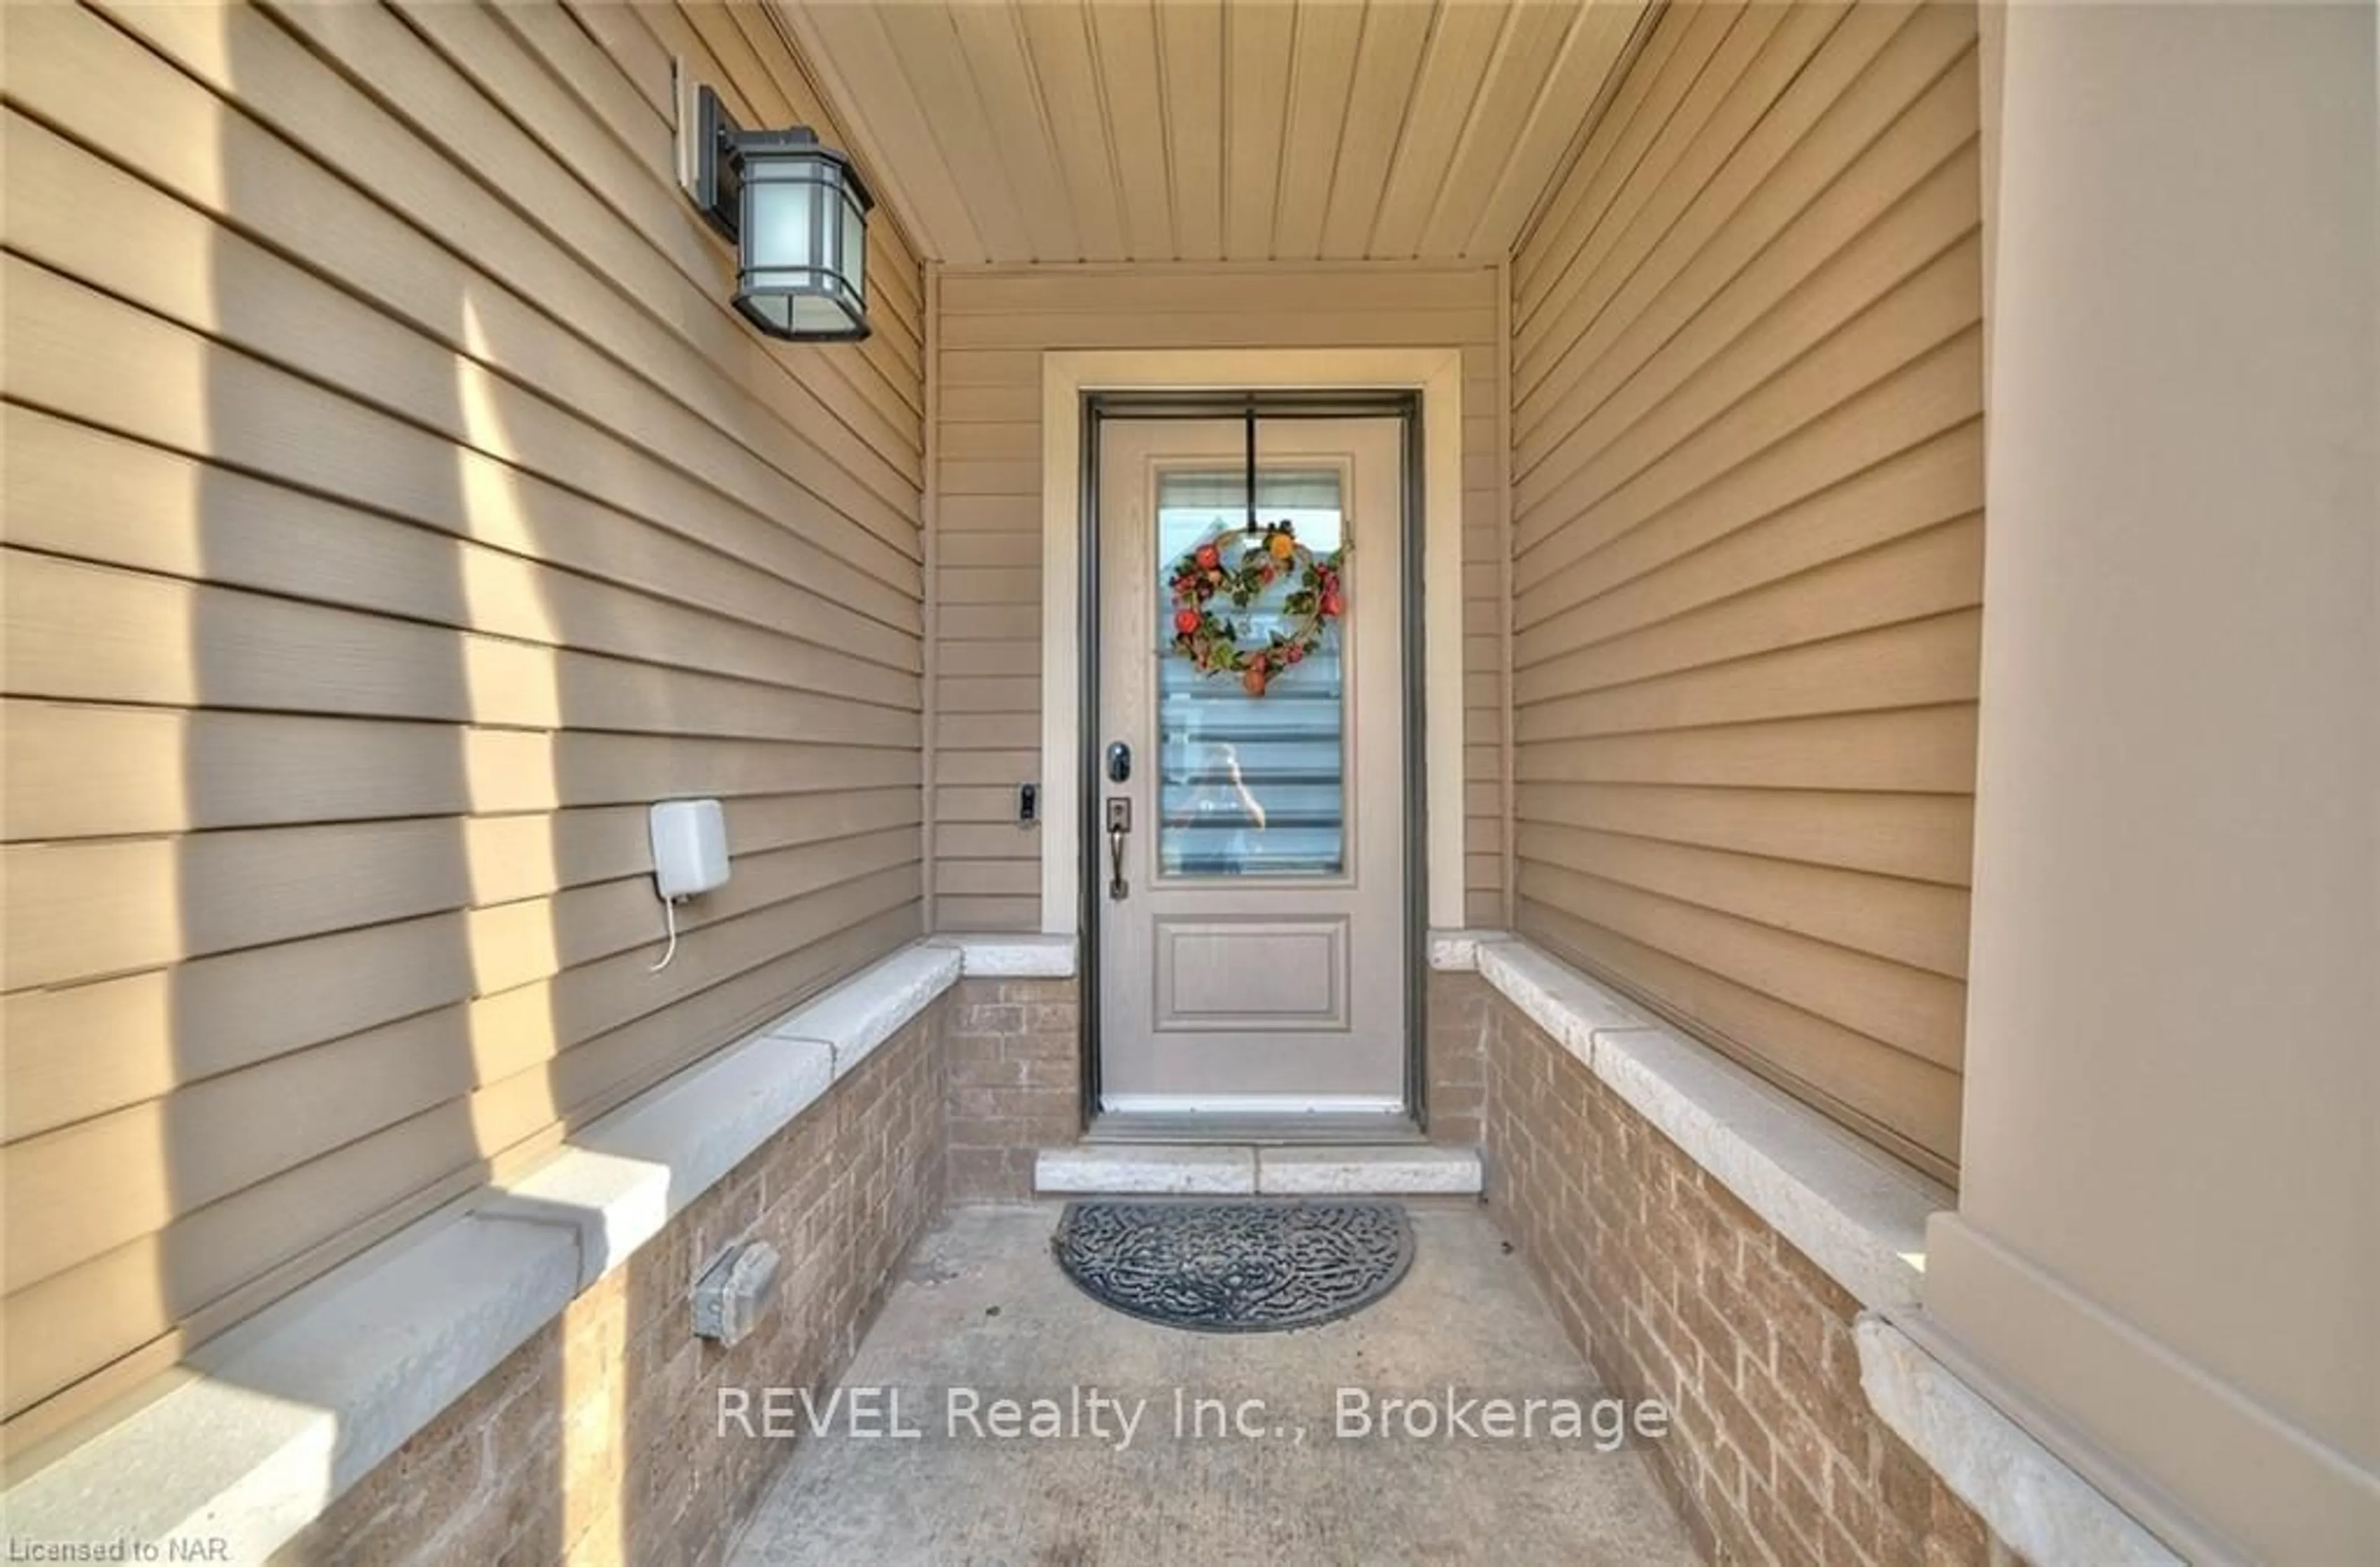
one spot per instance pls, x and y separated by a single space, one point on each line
1237 1266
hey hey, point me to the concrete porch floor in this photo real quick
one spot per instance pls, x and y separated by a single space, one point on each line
983 1307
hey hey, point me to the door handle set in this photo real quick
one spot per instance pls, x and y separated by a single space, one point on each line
1119 819
1119 829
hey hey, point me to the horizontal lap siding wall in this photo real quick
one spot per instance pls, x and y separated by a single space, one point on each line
993 328
394 508
1748 549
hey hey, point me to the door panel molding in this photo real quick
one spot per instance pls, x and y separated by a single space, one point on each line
1303 988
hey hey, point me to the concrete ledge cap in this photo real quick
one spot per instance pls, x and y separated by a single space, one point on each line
628 1174
266 1427
272 1423
1557 998
1408 1171
1123 1169
859 1014
1012 957
1855 1214
2047 1512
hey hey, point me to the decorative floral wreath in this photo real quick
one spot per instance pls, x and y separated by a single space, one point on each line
1211 642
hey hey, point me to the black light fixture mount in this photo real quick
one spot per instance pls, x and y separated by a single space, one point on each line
796 211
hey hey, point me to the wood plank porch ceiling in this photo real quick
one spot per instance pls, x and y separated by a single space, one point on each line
1006 131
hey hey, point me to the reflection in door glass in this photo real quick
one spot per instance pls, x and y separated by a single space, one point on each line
1250 786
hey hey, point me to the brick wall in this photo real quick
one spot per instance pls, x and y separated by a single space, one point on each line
1674 1289
595 1442
1016 1081
1453 1042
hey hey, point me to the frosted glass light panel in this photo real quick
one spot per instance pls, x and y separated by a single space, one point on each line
1250 786
803 239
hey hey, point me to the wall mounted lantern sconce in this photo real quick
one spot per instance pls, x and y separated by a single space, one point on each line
796 212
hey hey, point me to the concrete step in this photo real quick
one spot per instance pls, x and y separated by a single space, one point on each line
1210 1169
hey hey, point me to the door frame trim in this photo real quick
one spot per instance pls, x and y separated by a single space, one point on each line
1069 609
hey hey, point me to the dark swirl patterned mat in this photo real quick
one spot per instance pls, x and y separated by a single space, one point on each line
1249 1265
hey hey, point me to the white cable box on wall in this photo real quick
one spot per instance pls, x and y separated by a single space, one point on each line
689 847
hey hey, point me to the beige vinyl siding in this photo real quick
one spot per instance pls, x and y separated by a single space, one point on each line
396 507
1748 539
993 329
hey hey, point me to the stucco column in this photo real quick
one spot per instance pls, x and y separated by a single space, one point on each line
2166 1251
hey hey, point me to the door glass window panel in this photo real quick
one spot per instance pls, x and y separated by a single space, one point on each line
1250 786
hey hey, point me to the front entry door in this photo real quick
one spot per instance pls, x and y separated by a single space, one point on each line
1251 865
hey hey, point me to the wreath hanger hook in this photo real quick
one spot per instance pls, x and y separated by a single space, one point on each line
1251 428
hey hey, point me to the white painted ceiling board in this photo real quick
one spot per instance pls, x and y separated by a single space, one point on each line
1015 131
1321 66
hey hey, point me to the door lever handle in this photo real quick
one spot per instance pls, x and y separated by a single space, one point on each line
1119 829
